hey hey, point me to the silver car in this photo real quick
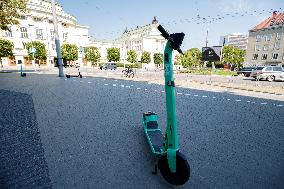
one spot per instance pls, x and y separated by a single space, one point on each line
269 73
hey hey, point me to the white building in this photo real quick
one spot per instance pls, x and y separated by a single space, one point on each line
144 38
37 25
236 40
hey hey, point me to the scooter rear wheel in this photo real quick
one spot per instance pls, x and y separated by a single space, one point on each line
182 173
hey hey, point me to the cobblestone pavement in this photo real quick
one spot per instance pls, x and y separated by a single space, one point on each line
92 136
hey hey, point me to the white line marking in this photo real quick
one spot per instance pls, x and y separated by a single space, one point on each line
131 85
146 89
84 77
104 79
138 88
122 85
114 85
155 90
204 96
248 101
213 97
89 82
263 103
187 94
127 86
162 91
65 79
228 99
195 95
279 105
238 100
179 93
106 84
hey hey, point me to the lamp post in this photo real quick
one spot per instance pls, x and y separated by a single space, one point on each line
57 41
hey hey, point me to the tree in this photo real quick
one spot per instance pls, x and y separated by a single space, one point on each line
146 57
113 54
6 49
178 59
92 54
69 52
132 56
233 55
191 57
40 53
10 11
158 58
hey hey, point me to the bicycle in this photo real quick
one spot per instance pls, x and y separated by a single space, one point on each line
128 72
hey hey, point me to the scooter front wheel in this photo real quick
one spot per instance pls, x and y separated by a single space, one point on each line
182 173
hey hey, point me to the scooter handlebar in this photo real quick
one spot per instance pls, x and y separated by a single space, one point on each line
175 43
164 33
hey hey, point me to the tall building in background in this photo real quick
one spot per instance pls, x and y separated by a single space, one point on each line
266 42
235 39
37 25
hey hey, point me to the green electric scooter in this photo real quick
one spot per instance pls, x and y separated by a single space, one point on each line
165 148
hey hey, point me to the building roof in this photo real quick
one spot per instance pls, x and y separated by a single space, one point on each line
273 20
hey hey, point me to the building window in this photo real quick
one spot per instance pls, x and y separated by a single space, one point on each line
65 36
274 56
257 48
264 56
22 17
267 37
254 56
266 47
257 38
24 32
50 21
278 36
24 45
277 45
36 19
8 33
52 35
39 34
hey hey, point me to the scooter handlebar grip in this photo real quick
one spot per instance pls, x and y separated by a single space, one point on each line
164 33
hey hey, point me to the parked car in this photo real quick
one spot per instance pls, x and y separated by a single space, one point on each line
246 71
108 65
269 73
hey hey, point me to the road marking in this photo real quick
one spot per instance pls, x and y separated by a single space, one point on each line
106 84
89 82
84 77
65 79
238 100
248 101
263 103
138 88
228 99
162 91
213 97
195 95
204 96
279 105
127 86
179 93
146 89
104 79
122 85
131 85
187 94
114 85
155 90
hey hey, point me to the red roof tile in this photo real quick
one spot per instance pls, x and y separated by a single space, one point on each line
274 19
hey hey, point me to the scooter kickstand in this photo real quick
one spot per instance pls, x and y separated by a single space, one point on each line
156 169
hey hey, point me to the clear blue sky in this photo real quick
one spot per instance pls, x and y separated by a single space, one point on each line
107 19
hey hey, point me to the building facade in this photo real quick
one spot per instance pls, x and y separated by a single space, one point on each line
37 25
235 39
266 42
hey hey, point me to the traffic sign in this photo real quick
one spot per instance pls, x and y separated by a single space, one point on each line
211 53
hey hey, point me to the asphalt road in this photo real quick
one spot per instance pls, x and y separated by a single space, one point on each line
92 136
